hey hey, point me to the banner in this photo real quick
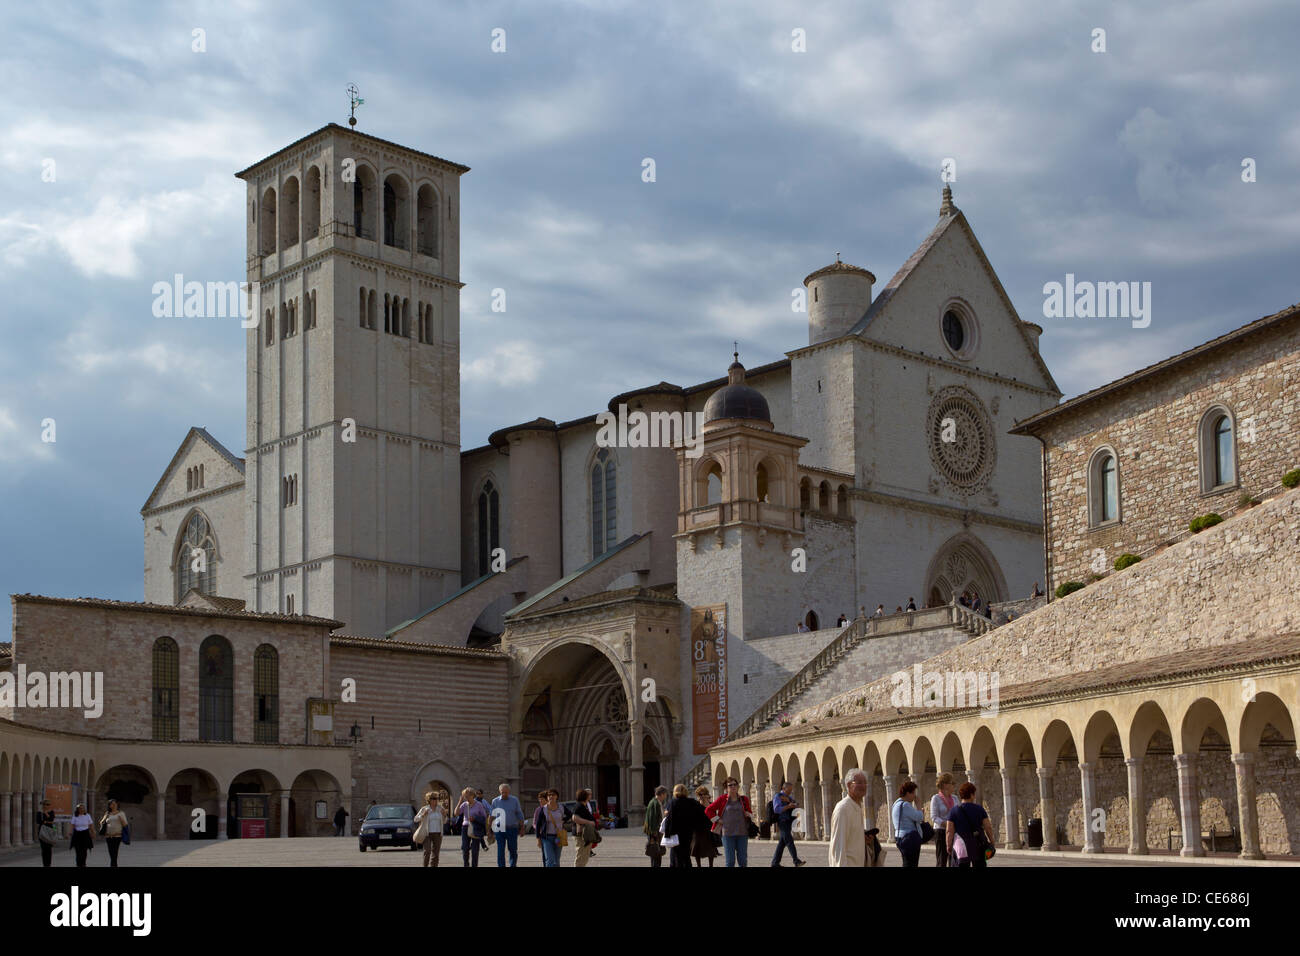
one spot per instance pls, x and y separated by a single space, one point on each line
63 798
708 676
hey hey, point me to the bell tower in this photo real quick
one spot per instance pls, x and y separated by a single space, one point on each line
352 474
740 515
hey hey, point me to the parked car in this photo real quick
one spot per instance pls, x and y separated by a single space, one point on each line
388 824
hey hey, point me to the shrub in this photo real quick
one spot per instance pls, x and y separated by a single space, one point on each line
785 723
1247 500
1197 525
1069 587
1125 560
1291 478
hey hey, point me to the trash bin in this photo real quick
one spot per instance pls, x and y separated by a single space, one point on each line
1034 833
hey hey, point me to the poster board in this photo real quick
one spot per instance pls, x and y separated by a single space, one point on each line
709 723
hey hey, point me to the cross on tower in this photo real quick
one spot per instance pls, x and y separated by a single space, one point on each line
355 100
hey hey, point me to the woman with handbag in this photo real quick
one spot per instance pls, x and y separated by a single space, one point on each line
682 821
549 824
83 840
941 804
475 815
45 833
909 824
733 817
428 828
970 831
111 827
584 828
704 843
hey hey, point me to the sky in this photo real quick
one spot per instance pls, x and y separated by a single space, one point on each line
122 128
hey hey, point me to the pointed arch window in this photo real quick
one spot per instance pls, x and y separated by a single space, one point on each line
604 503
266 695
196 557
489 526
216 690
166 689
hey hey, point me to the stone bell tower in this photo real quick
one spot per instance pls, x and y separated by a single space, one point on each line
352 476
739 516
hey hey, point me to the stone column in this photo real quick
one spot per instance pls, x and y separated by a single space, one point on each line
824 824
634 802
223 817
869 801
1010 821
25 824
1247 813
1047 797
5 824
891 792
1137 813
1094 840
161 816
762 798
1189 803
284 815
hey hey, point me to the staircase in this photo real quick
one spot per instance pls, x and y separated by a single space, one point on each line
952 615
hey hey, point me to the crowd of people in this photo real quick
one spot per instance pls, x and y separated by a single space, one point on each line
113 827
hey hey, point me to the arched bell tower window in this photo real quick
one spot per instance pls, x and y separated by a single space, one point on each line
760 481
489 526
805 495
604 503
713 480
196 556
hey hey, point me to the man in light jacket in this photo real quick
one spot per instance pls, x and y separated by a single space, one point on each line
849 823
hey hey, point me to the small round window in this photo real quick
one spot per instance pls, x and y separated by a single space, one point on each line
954 332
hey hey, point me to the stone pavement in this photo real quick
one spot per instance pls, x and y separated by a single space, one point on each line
620 848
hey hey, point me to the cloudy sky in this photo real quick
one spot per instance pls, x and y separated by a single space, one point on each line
1116 165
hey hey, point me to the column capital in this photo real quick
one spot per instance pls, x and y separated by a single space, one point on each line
1133 761
1244 759
1008 773
1087 767
1185 761
1046 773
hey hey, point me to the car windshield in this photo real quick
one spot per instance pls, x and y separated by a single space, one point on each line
388 813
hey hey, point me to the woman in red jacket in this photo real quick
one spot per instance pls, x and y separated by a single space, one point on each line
732 817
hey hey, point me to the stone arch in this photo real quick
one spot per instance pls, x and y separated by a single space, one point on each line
1268 754
189 790
426 220
397 211
309 788
365 202
951 753
896 759
770 480
964 564
439 773
1097 505
288 213
311 205
266 229
871 760
1207 448
1103 752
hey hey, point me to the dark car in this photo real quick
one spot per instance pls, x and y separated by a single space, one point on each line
388 824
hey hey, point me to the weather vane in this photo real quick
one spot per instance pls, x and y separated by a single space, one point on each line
356 101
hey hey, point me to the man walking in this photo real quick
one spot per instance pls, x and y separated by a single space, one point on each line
340 821
849 823
783 807
654 815
507 824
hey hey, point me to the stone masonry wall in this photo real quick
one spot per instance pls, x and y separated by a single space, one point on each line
1236 580
1154 430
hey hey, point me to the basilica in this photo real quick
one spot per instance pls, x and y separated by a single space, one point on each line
371 610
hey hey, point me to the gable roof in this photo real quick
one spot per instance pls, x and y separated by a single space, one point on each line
1172 364
953 219
335 127
194 433
568 579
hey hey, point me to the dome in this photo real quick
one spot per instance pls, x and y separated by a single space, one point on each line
736 399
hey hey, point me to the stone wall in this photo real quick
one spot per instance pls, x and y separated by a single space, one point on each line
1237 580
1154 430
439 713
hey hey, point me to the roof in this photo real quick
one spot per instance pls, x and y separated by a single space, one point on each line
654 592
416 647
107 604
335 127
1202 662
574 575
842 268
215 601
1170 365
194 432
465 589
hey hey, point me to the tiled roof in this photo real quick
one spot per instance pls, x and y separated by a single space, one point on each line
1200 662
217 602
351 132
1223 342
416 647
107 604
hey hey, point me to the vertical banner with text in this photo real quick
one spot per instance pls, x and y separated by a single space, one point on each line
708 676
